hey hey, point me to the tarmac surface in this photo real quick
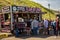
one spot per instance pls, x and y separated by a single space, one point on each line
33 38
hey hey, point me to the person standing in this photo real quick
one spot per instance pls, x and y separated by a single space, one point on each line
57 26
53 24
41 27
46 26
34 26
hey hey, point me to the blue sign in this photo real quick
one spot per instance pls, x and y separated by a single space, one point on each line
21 8
14 8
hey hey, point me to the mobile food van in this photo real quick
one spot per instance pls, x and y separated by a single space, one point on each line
20 14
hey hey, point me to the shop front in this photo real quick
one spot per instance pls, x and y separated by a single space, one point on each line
4 19
19 15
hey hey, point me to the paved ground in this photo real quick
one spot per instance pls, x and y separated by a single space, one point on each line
33 38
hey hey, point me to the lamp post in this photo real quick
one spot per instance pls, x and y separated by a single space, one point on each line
49 11
11 18
11 10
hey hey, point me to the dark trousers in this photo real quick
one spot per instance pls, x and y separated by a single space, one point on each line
48 32
17 33
32 31
55 30
21 30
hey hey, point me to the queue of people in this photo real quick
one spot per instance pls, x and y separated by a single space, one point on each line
34 27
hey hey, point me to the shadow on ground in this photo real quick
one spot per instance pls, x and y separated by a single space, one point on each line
35 36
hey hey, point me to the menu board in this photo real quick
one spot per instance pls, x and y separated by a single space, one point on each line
6 9
20 19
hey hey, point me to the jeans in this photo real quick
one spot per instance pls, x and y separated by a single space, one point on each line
35 29
55 30
16 33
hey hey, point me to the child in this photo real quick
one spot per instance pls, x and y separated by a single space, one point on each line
16 31
51 31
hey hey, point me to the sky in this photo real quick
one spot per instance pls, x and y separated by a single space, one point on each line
54 4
